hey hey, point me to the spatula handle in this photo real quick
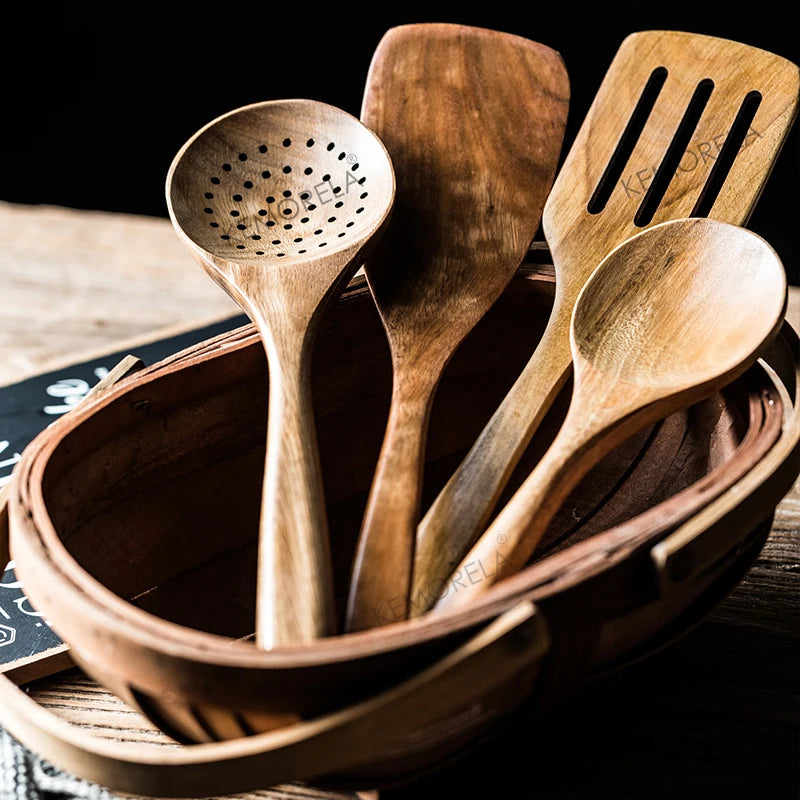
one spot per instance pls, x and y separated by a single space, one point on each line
462 509
381 579
295 601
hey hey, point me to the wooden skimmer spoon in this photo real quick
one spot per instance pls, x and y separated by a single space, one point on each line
279 202
669 317
474 121
682 125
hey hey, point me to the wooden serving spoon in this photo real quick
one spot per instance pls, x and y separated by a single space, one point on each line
280 202
668 318
474 121
683 125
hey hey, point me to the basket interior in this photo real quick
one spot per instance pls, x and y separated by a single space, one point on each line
157 494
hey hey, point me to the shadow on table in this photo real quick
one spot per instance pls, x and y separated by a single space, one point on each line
713 715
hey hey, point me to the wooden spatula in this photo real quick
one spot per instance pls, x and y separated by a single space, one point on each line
474 121
683 125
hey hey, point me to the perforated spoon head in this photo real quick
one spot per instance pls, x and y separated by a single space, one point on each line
279 182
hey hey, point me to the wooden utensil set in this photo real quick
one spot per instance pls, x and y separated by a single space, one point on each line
662 299
473 121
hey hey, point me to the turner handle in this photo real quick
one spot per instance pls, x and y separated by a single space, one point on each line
462 509
507 544
603 412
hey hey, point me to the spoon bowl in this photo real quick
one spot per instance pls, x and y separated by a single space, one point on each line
666 312
279 182
280 201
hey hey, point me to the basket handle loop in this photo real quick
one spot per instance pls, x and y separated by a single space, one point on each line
692 549
509 649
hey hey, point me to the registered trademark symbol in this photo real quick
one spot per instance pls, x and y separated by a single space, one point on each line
501 538
352 158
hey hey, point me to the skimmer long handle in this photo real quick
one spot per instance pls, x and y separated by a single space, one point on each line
295 602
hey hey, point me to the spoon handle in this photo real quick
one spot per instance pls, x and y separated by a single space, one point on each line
295 600
462 509
507 544
381 579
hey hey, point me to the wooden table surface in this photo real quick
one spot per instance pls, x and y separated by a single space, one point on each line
713 715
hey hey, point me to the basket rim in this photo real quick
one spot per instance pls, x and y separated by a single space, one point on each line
34 536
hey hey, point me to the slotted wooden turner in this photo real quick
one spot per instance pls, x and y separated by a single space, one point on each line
682 125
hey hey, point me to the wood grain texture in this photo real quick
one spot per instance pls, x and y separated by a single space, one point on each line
713 712
166 554
81 282
658 326
474 121
579 237
511 648
94 710
280 202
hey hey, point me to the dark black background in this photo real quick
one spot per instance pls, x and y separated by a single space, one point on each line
97 105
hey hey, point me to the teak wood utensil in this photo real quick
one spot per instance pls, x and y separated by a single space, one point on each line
682 125
279 202
141 590
658 326
474 121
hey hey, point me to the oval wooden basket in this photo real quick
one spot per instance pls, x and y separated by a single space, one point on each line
134 520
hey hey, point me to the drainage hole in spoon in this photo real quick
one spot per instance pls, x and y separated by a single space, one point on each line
290 203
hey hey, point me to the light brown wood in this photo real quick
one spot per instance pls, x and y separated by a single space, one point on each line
757 616
659 325
99 714
515 323
474 120
83 282
512 645
137 575
280 202
581 230
187 383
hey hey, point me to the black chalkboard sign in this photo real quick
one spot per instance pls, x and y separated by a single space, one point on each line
28 407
